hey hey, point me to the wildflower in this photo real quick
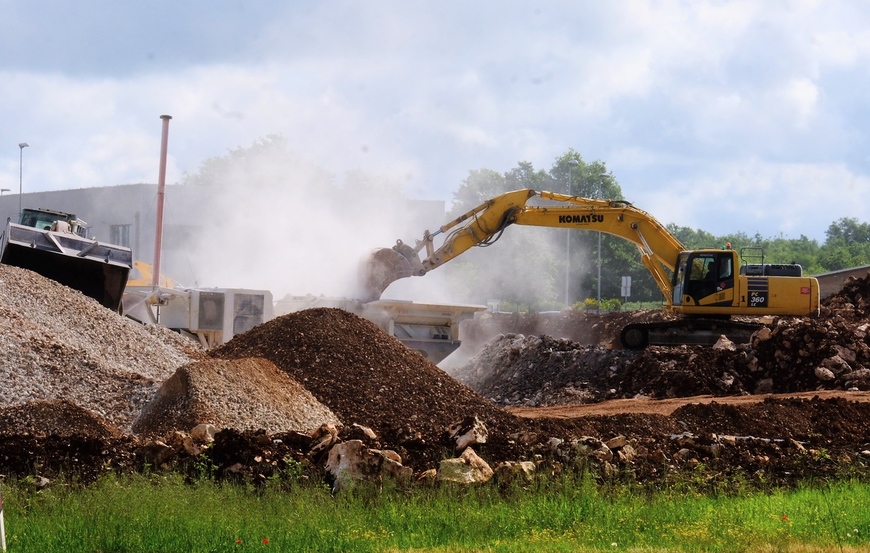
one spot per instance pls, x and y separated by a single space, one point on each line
238 542
784 518
265 541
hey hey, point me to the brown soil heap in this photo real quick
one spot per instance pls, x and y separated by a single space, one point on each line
370 378
54 418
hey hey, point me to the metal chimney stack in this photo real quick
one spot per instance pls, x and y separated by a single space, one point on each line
161 193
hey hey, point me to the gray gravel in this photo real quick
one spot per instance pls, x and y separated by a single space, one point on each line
56 343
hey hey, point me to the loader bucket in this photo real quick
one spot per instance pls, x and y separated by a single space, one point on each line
97 270
383 267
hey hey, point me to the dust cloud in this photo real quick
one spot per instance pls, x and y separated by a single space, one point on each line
281 223
277 221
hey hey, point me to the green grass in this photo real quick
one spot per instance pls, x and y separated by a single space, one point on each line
163 514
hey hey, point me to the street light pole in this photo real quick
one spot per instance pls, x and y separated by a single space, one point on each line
598 302
21 147
571 164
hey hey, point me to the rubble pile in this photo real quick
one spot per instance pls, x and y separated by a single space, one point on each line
828 352
516 369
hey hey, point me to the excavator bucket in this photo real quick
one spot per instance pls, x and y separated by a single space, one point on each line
97 270
383 267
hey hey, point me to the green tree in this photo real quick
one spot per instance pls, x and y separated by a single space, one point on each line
847 245
529 265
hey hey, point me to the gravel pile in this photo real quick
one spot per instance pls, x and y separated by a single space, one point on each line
245 394
56 343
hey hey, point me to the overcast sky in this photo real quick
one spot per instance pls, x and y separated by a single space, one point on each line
721 115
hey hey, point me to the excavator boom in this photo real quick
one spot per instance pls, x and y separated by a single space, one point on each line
485 223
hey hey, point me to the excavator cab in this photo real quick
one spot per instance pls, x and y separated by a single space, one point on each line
704 277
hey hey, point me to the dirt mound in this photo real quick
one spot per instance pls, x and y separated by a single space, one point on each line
815 421
370 378
54 418
244 394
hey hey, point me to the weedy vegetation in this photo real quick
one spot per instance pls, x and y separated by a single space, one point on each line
564 513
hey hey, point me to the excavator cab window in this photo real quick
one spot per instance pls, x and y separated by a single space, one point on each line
708 273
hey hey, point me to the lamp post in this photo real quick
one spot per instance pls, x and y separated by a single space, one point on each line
598 302
21 147
571 164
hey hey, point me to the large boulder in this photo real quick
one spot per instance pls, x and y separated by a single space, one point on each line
352 461
468 468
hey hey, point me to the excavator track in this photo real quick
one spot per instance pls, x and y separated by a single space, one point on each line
689 331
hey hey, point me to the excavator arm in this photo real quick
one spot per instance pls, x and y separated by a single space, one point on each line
484 224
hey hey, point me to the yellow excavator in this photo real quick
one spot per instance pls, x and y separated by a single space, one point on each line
707 287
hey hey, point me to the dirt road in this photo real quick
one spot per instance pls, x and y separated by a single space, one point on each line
667 406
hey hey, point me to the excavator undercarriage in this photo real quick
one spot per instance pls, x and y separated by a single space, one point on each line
686 331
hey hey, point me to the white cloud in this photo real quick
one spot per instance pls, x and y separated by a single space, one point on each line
675 97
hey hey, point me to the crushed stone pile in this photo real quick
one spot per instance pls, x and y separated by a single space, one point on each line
244 394
369 378
56 343
831 351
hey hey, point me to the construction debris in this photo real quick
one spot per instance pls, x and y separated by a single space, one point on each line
289 391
